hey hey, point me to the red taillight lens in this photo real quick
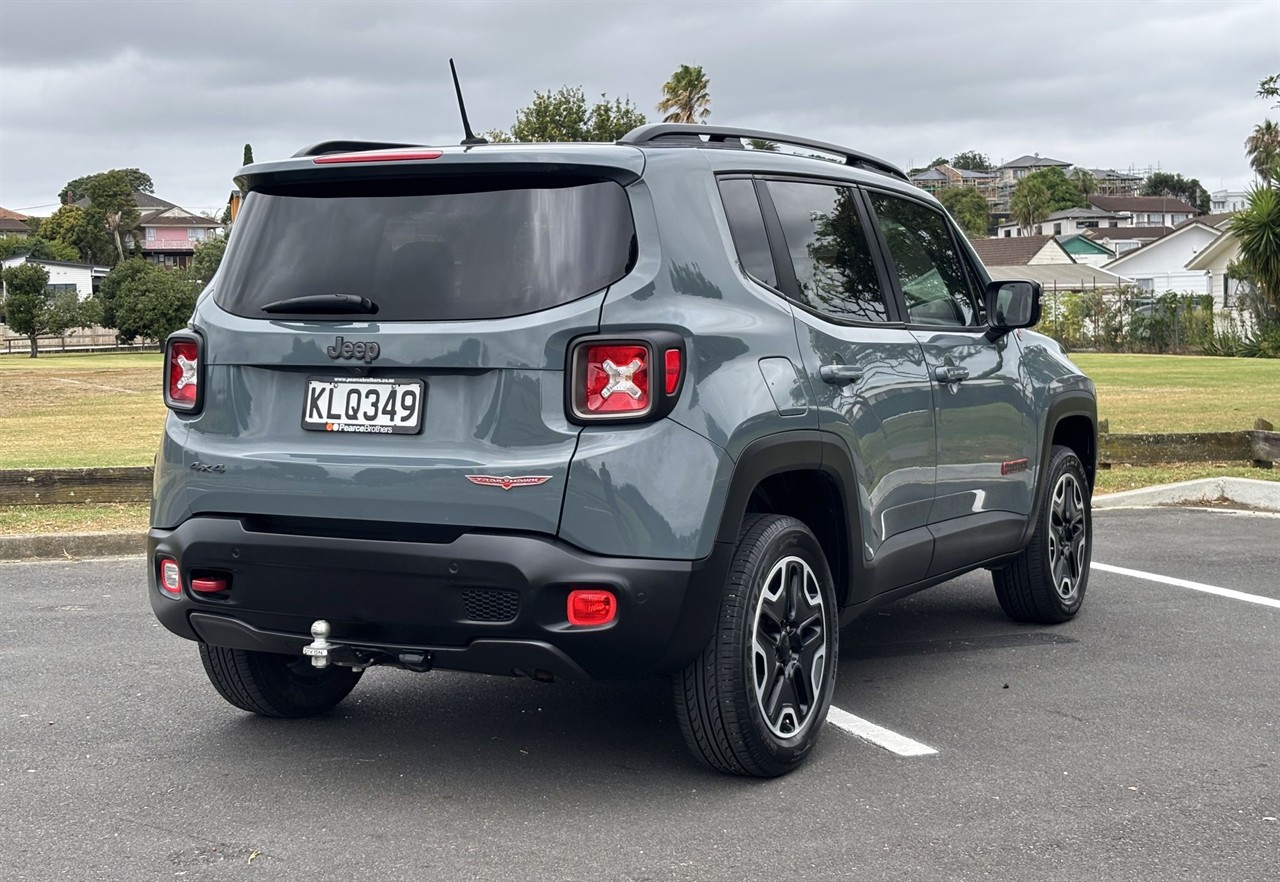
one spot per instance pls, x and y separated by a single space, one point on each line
672 374
182 367
170 577
617 379
591 607
378 156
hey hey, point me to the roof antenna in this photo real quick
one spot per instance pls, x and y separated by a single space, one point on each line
470 140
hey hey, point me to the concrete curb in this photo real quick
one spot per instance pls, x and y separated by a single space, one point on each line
1263 495
71 546
1242 491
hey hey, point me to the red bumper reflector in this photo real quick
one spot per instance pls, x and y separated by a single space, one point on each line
592 607
672 375
208 585
170 581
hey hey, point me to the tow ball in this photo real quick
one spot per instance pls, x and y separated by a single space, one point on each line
319 648
323 652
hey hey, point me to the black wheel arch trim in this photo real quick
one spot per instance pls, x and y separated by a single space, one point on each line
1074 403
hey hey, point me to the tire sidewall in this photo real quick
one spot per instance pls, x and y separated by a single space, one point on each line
1066 462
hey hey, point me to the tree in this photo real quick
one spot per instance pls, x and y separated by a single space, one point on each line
1063 192
972 160
1270 88
686 97
31 308
37 248
112 194
563 115
79 188
1257 231
1030 202
1263 149
969 208
761 144
1086 182
207 259
74 226
141 299
248 155
1177 187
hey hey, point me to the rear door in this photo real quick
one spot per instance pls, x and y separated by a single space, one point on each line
866 370
446 404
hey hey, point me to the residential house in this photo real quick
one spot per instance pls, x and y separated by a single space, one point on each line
1084 250
1109 182
169 233
1228 201
83 278
1122 239
1149 211
1160 265
1060 278
1017 169
1214 260
1020 251
1068 221
945 177
13 224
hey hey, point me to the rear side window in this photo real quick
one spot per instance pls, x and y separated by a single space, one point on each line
829 251
746 224
430 249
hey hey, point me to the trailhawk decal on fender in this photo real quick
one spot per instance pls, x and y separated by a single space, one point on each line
507 482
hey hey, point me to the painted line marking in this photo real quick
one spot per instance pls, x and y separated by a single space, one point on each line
877 735
1194 586
95 385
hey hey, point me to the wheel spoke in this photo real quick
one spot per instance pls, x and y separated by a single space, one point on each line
788 649
777 686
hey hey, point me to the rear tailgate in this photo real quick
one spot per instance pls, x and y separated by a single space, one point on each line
446 406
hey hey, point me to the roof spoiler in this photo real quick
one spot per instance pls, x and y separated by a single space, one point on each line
348 147
687 135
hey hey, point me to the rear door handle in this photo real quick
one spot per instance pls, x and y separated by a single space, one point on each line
840 374
950 373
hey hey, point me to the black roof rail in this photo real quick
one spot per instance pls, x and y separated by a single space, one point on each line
347 147
687 135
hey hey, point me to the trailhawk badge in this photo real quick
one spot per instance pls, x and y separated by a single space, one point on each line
507 482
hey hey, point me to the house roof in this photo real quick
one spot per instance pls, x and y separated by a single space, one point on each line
13 225
176 217
1034 162
1106 174
6 214
19 259
971 173
929 174
1124 234
1082 243
1065 276
1209 220
1226 241
1141 203
1146 247
1079 212
1013 250
144 201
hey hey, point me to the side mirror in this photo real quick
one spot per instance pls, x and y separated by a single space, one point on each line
1012 305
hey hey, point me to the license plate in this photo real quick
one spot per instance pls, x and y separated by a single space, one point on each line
366 405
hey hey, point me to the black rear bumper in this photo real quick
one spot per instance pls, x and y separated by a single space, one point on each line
486 602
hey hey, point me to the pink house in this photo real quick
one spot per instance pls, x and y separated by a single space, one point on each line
169 233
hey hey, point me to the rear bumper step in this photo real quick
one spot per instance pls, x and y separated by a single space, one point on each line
491 603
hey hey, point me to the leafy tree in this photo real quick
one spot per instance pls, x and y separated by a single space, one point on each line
207 259
563 115
1030 202
141 299
79 188
1063 192
972 160
31 308
761 144
37 248
686 97
969 208
498 136
248 155
81 229
1270 88
112 194
1257 231
1263 149
1177 187
1086 182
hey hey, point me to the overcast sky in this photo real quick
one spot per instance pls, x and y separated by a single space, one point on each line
177 88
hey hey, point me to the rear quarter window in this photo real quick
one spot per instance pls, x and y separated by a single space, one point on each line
428 249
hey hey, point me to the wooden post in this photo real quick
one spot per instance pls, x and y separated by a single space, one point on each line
1266 445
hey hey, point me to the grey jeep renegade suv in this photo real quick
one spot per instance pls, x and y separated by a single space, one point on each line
669 406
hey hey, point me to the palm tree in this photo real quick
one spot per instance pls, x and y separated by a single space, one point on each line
1030 204
1263 148
1087 183
1257 230
685 97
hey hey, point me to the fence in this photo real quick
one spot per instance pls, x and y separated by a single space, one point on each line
1131 320
74 343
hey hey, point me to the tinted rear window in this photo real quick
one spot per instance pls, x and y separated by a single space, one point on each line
429 250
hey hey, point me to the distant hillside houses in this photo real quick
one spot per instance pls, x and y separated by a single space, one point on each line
170 233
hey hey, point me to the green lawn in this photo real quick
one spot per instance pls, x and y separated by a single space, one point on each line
1177 393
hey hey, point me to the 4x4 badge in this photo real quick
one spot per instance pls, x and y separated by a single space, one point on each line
507 482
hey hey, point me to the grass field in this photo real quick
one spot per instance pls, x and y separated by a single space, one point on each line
106 410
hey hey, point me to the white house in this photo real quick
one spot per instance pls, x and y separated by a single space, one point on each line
1068 221
1147 211
82 278
1228 201
1123 239
1161 265
1214 259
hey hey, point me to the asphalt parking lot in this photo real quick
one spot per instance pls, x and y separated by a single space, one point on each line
1139 741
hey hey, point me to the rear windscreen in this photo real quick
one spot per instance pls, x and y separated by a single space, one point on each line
429 249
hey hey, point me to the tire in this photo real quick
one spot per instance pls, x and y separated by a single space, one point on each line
274 685
1045 584
754 701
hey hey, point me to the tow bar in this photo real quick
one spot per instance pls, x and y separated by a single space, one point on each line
322 651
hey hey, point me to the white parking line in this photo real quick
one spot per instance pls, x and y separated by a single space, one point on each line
1194 586
877 735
